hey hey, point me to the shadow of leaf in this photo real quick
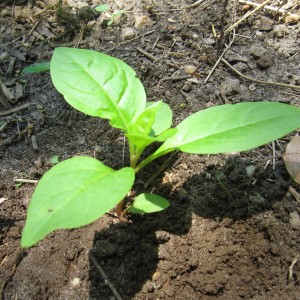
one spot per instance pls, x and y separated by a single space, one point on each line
129 252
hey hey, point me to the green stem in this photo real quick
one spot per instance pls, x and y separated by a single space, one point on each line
150 158
134 155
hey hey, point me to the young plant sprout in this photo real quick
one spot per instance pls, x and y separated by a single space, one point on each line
81 189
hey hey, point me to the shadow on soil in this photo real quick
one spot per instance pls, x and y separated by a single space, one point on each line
128 252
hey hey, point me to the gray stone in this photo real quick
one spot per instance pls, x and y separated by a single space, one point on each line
231 87
264 61
209 41
127 33
295 220
257 51
234 57
280 30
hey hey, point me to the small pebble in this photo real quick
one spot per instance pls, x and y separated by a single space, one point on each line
292 18
252 87
257 51
280 30
241 66
150 288
257 199
39 163
187 87
250 170
209 41
34 143
294 220
81 140
75 282
156 275
127 33
5 13
98 149
162 236
190 69
207 176
141 22
3 56
233 57
265 61
171 20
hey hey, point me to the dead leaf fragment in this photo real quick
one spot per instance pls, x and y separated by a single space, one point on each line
292 158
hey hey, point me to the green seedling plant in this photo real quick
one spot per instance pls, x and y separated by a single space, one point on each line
79 190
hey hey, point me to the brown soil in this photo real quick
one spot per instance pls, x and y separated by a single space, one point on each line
225 235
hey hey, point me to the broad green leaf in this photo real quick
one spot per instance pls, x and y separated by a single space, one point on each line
98 85
148 203
165 135
145 120
74 193
232 127
101 8
163 120
37 68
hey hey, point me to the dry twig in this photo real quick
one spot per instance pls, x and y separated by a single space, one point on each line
295 194
272 8
291 267
21 180
247 15
220 39
104 276
220 58
127 42
147 54
257 80
15 109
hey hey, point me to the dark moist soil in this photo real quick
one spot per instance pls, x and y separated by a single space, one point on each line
226 235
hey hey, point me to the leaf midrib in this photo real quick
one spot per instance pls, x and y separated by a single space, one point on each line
231 129
119 111
78 191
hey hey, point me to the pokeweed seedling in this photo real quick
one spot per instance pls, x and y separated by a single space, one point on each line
79 190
